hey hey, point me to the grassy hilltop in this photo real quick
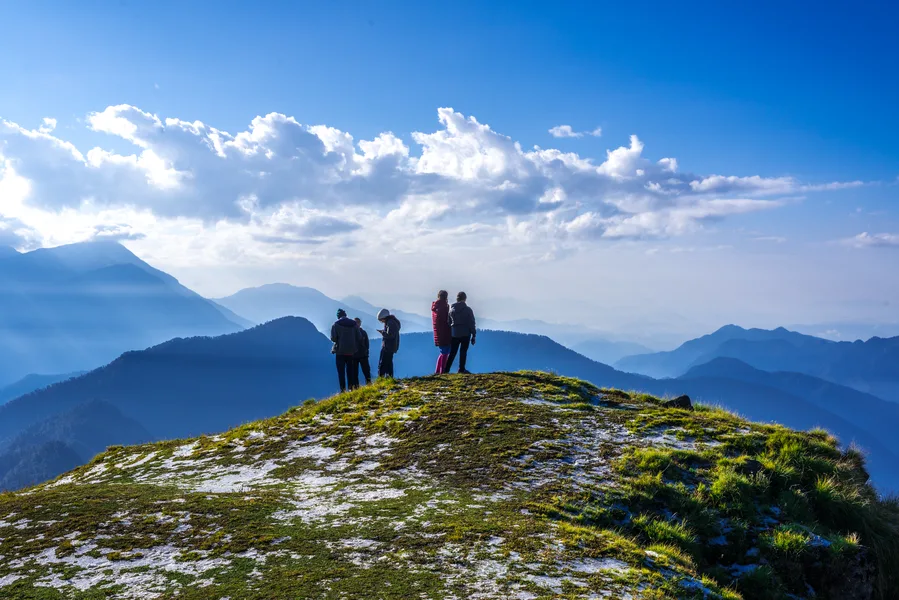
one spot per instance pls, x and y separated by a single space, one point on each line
521 485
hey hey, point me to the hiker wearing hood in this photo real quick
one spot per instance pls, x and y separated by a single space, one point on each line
443 336
347 339
362 355
390 342
464 332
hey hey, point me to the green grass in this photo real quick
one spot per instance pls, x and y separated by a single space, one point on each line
481 472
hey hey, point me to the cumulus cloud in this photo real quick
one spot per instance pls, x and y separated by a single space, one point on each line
566 131
281 182
873 240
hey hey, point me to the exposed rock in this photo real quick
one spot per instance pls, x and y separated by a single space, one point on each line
679 402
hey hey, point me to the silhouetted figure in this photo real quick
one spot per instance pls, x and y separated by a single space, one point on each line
464 331
443 336
390 342
347 340
362 354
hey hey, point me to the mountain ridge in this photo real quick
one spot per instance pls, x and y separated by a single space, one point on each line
75 307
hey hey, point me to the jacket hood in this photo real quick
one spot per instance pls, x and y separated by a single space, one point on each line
345 322
437 303
455 304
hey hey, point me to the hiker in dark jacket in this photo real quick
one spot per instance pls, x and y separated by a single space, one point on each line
463 330
362 355
347 340
390 342
443 336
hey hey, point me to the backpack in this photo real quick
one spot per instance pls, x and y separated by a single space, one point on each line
398 327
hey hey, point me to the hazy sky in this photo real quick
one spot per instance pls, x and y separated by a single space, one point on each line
669 167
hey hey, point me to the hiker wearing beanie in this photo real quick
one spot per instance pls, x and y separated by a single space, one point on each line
443 337
362 355
390 342
463 329
347 340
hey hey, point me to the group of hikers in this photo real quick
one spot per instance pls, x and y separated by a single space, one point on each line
454 331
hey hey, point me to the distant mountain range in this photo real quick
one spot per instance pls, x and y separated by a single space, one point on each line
75 307
32 382
195 385
411 321
848 331
870 366
272 301
203 385
276 300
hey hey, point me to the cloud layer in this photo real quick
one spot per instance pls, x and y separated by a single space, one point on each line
294 187
566 131
874 240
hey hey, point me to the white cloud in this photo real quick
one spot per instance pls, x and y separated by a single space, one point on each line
284 189
873 240
566 131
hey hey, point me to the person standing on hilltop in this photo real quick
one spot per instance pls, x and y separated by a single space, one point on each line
390 342
443 336
464 331
362 355
347 340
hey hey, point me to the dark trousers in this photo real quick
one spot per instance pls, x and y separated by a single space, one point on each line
366 368
346 372
385 364
460 345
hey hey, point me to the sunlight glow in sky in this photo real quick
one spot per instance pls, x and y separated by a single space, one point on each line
565 163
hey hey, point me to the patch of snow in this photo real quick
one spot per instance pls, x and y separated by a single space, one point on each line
595 565
185 450
359 543
9 579
93 572
539 402
135 462
298 450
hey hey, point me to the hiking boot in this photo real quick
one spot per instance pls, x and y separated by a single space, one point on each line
464 372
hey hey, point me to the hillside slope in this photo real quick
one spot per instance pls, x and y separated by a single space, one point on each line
189 386
31 383
494 486
46 449
75 307
878 417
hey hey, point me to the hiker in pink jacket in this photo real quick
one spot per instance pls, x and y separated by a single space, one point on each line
443 337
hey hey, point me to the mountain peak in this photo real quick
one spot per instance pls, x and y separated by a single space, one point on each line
89 255
729 328
721 366
495 486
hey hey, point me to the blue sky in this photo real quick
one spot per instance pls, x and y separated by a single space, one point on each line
805 93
